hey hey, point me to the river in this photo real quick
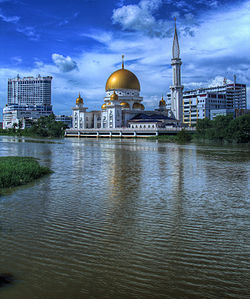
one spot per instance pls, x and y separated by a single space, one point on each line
127 219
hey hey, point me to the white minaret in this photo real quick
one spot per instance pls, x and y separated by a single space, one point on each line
176 88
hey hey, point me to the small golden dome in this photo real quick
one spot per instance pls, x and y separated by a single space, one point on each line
109 103
79 100
122 79
114 97
137 106
104 106
142 107
162 102
124 105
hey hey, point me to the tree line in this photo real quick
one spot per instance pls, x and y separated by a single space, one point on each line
45 126
224 128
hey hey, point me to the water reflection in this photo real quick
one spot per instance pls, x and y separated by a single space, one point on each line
127 219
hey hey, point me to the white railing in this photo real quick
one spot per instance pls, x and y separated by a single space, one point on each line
129 129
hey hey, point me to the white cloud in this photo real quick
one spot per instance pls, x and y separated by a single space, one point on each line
66 21
101 36
218 81
65 64
140 18
7 19
220 48
17 60
29 31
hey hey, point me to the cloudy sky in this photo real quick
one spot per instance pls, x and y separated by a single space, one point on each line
80 43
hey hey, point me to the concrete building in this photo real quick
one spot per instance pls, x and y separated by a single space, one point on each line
22 114
198 103
30 91
28 98
65 119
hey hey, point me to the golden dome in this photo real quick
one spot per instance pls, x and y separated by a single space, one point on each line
162 102
79 100
109 103
114 97
124 105
137 106
122 79
104 106
142 107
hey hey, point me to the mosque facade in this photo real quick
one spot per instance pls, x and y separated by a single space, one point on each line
123 105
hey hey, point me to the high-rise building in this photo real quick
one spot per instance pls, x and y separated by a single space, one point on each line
30 91
28 98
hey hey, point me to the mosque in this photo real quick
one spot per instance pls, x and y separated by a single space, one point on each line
123 105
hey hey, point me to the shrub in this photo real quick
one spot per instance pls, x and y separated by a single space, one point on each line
16 171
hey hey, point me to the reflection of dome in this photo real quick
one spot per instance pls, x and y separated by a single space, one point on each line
104 106
137 106
142 107
79 100
162 102
124 105
114 97
122 79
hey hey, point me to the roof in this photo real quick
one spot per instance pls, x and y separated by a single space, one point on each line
150 117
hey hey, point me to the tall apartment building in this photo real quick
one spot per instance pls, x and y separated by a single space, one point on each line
28 98
30 91
202 102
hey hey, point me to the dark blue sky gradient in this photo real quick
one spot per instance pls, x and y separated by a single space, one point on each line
32 31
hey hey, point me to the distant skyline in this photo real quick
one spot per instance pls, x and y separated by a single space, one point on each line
80 44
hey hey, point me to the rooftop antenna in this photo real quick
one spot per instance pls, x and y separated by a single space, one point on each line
123 61
234 79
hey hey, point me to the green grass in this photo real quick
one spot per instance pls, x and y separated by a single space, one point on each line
180 137
15 171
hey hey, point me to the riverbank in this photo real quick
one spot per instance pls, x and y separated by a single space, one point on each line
15 171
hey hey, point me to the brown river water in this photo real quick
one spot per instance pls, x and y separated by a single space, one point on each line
127 219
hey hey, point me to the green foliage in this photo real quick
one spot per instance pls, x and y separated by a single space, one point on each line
183 136
16 171
202 125
165 138
239 129
224 128
45 126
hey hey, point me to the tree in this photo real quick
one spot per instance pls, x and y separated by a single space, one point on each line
225 128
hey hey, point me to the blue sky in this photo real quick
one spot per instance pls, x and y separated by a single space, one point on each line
80 43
